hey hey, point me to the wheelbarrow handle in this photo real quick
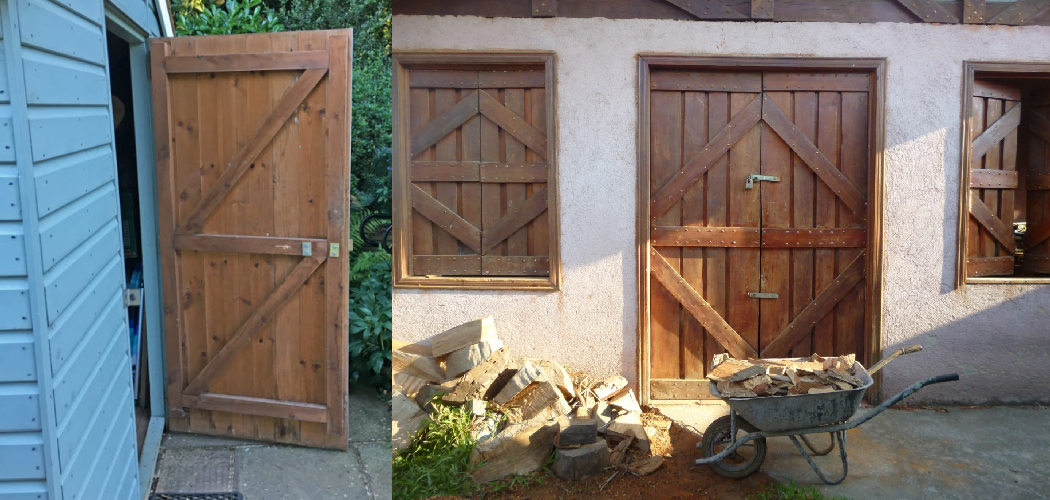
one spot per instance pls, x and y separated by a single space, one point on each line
906 350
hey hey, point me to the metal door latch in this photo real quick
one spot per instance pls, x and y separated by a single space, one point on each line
750 182
763 295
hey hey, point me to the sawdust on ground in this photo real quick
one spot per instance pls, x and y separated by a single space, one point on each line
677 479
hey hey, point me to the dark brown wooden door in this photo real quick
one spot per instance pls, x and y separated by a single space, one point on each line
1037 182
252 171
797 229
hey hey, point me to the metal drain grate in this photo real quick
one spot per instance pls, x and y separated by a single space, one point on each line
196 496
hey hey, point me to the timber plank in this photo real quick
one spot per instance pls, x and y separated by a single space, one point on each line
539 228
828 298
803 210
981 178
990 266
1037 181
665 317
986 143
446 149
1039 126
851 312
515 266
699 308
814 238
260 61
929 11
443 79
699 236
512 79
1020 12
513 123
510 223
715 198
709 9
446 218
816 82
777 210
447 265
995 226
444 123
815 158
694 137
829 110
696 81
533 173
743 265
996 90
448 171
263 407
248 244
514 152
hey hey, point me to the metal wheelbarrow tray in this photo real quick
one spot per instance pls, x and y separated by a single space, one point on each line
794 416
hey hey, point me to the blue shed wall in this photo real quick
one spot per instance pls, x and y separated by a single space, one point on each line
67 426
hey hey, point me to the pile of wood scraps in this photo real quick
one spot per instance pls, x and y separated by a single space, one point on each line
737 378
522 408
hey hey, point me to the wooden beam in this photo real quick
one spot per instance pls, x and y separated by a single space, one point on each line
996 90
762 9
994 134
514 172
698 236
274 61
513 221
509 121
1021 12
930 11
806 320
515 266
671 192
998 229
249 244
262 407
242 161
814 158
446 218
814 238
989 266
983 178
699 308
544 8
254 323
446 265
445 123
709 9
973 11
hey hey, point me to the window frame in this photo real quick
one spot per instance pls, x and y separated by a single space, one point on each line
405 61
986 69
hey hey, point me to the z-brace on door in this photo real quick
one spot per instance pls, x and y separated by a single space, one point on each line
252 171
758 227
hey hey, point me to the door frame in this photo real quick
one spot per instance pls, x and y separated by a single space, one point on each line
142 112
876 128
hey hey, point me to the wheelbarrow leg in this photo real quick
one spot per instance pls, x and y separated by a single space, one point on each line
813 450
841 437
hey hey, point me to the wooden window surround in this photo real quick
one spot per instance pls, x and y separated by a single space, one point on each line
475 191
1004 223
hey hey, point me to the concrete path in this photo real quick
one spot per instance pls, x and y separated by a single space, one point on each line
201 464
944 453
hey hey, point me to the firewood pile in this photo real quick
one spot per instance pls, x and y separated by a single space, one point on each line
523 408
737 378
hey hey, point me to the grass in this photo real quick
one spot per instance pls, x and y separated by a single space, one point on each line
791 491
437 462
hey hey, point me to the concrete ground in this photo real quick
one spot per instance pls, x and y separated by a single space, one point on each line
260 471
943 453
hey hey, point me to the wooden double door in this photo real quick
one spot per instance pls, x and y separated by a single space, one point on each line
758 219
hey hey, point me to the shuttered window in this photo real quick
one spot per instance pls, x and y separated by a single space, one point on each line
1006 232
474 171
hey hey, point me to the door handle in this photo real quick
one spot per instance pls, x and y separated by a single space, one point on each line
763 295
750 182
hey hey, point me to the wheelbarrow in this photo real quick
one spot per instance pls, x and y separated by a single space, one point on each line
795 416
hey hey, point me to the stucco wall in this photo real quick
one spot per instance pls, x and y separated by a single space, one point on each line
996 336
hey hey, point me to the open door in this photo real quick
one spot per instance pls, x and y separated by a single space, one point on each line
252 146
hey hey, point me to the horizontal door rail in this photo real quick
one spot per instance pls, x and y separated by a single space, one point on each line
223 63
250 244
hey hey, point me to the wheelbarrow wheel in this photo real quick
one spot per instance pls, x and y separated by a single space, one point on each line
745 460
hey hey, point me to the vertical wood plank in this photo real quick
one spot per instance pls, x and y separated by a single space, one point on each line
803 207
1009 162
828 112
973 233
539 228
514 152
716 189
491 194
666 158
854 164
446 149
694 138
419 114
777 211
988 246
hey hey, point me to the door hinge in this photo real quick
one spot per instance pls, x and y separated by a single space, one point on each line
333 249
132 297
750 182
308 249
763 295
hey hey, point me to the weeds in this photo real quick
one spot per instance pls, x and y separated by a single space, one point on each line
791 491
437 461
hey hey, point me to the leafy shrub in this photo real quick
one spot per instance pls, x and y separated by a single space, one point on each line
436 463
362 266
370 328
232 17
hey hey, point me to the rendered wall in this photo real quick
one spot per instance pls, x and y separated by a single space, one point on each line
995 336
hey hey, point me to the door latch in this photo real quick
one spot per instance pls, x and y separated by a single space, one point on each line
763 295
750 182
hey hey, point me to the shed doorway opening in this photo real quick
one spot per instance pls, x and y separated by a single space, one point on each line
124 133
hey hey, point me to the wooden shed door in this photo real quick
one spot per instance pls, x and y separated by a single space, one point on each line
252 170
773 266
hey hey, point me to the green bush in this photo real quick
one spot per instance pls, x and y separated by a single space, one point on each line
371 327
232 17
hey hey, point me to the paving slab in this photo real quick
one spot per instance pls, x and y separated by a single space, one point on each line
944 453
378 467
278 472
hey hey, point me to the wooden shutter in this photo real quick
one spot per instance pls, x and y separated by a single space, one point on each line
252 172
1037 234
474 176
990 243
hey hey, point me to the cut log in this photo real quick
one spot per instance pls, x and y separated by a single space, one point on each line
417 366
610 387
528 373
417 348
556 374
484 380
454 339
406 419
463 360
646 466
579 431
477 407
626 402
541 400
518 449
619 453
408 384
581 462
629 425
